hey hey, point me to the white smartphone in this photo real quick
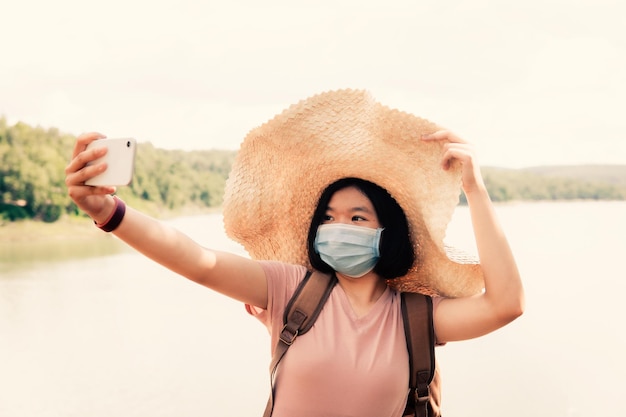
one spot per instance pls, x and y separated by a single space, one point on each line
120 160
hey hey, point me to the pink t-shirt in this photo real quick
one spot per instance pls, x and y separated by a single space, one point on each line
345 365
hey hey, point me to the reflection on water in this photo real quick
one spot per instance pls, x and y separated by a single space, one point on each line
118 335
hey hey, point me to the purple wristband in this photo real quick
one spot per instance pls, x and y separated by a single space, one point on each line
116 218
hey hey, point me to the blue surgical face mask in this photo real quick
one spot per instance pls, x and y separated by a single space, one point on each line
349 250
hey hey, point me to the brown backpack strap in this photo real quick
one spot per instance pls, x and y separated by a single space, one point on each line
300 314
417 314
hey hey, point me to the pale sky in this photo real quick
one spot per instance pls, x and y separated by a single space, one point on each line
529 82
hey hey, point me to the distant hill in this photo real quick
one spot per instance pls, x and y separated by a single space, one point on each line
609 174
574 182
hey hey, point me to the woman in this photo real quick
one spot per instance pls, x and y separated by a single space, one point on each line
293 208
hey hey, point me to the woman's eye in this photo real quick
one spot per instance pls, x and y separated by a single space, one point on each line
358 219
327 218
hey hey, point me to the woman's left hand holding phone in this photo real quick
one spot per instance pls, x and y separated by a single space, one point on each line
97 202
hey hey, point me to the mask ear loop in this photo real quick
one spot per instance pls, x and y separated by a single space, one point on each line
379 236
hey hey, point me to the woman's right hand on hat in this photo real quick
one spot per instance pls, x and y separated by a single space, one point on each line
457 149
95 201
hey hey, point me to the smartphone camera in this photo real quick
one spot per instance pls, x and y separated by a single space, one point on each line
128 144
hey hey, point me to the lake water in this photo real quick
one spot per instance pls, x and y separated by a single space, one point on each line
118 335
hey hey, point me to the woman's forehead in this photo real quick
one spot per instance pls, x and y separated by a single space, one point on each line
351 197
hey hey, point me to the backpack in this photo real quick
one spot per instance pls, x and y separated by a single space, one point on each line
417 313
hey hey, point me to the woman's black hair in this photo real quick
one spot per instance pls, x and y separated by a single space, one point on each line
396 250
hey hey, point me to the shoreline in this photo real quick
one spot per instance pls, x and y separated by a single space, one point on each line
29 231
70 228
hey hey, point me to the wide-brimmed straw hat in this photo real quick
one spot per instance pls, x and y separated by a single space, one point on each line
284 165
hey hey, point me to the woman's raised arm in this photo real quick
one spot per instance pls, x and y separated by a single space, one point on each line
503 298
232 275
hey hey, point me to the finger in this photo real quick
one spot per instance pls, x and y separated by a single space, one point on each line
78 176
101 189
447 160
438 135
459 148
455 152
443 135
85 139
83 158
78 192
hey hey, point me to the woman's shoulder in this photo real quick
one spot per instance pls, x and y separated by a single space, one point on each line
283 270
282 280
283 277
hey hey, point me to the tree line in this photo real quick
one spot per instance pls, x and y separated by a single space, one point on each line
33 159
583 182
32 177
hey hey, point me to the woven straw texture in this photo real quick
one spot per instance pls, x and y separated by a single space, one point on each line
284 165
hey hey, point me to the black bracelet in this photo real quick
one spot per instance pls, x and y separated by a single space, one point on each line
116 218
